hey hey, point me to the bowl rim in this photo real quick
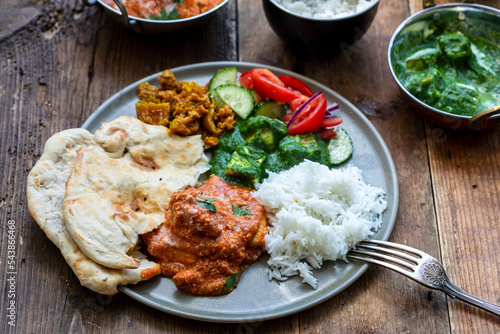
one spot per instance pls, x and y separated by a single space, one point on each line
340 18
141 19
459 7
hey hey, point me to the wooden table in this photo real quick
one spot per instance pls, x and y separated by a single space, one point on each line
60 60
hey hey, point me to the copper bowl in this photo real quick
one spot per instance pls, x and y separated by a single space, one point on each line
475 19
147 26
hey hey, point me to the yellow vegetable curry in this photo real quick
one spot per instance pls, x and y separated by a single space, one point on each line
185 108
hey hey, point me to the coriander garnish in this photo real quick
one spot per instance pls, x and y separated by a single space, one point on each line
206 203
240 211
231 281
172 15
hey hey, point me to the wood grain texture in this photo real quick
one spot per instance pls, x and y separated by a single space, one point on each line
466 181
465 173
61 60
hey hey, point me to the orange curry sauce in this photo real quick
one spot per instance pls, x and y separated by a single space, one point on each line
147 8
201 246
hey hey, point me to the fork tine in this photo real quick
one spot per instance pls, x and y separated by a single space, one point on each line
411 259
381 263
393 259
395 246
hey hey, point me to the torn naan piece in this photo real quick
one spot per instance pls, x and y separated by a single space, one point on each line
47 180
111 201
96 182
46 190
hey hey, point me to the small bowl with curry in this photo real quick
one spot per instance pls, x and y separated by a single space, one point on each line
160 16
446 62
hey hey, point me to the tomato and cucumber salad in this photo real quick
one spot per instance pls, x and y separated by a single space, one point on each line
259 92
308 111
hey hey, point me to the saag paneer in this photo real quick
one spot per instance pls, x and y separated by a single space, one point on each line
260 144
453 72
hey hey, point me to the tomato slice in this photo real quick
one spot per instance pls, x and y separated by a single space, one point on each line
264 72
295 104
309 118
331 122
296 84
265 83
246 80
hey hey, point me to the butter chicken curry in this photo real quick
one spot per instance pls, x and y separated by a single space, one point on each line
212 233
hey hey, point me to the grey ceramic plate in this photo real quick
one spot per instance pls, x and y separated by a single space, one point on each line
256 298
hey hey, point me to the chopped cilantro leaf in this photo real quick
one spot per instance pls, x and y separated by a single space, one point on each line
231 281
205 199
240 211
172 15
178 1
206 203
243 211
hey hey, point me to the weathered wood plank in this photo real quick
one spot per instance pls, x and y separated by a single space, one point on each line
465 172
466 180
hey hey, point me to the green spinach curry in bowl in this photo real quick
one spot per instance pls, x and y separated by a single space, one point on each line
446 60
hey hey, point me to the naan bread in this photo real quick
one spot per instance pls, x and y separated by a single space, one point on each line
46 191
129 145
47 181
96 184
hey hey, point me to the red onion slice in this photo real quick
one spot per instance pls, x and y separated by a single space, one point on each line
302 106
333 107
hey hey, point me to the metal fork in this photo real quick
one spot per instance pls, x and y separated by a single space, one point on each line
416 265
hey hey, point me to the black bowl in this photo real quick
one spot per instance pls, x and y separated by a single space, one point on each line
315 36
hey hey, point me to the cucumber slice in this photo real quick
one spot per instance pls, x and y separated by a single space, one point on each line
271 109
222 77
238 98
340 147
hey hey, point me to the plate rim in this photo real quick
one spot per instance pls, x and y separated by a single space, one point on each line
287 310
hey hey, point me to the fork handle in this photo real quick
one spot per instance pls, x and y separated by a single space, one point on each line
454 291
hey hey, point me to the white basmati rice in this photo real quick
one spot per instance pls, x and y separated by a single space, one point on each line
325 9
316 214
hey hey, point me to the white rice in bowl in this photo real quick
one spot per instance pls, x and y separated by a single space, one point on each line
325 9
316 214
